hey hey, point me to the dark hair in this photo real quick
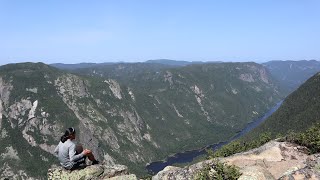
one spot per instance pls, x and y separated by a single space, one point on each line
66 135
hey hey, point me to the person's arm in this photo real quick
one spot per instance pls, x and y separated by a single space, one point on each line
56 150
72 154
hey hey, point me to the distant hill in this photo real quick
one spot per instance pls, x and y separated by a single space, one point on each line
130 114
291 74
77 65
127 73
166 62
173 62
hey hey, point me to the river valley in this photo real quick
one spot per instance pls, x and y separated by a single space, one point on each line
189 156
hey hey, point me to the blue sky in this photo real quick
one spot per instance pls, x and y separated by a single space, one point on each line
73 31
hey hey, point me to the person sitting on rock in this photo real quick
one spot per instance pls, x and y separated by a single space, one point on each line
71 156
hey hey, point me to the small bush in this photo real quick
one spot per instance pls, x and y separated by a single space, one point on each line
219 171
238 146
310 138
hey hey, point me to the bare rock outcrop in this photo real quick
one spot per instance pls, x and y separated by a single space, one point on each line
114 87
274 160
189 172
311 171
305 173
246 77
92 172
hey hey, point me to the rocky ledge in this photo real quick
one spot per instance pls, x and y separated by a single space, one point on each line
274 160
115 172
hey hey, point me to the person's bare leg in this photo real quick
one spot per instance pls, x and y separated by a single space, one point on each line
79 148
91 157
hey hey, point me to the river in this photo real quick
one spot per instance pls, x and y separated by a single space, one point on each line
188 156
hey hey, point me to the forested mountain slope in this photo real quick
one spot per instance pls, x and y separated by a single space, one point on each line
290 74
134 120
298 112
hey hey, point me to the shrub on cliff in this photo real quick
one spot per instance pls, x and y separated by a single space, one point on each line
310 138
239 146
219 171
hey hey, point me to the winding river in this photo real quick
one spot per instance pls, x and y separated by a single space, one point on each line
188 156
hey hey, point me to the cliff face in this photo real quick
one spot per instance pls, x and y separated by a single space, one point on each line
274 160
133 124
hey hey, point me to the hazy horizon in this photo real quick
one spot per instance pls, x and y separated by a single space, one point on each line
150 60
74 32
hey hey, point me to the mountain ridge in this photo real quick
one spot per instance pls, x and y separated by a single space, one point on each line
114 118
293 73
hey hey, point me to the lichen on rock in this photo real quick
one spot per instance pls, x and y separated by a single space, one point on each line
92 172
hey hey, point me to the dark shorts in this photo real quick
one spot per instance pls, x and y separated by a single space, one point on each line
81 163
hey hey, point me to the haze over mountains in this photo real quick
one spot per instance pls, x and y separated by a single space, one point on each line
133 113
167 62
293 73
290 73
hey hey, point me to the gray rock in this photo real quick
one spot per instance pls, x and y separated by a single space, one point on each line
274 160
124 177
305 173
91 172
189 172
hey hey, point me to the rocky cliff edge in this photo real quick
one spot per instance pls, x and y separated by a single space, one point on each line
274 160
114 172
